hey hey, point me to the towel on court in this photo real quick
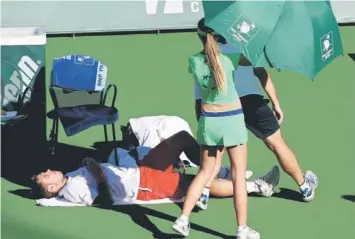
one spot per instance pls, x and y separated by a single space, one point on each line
61 202
224 173
150 129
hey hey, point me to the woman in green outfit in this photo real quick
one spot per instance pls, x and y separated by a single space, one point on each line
221 125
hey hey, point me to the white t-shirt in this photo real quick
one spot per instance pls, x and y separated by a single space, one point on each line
80 187
246 83
123 182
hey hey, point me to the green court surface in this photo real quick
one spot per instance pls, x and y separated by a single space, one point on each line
150 72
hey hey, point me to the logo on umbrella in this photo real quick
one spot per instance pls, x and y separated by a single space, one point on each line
243 31
245 27
326 45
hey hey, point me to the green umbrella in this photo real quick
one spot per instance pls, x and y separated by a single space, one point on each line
300 36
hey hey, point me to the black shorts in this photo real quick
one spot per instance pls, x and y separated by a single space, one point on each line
258 116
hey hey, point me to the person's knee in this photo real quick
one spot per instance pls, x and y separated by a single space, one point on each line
179 138
206 172
183 137
275 141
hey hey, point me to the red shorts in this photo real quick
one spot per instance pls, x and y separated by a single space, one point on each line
156 184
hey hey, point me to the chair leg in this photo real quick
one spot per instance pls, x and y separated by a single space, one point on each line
56 134
105 132
53 137
114 144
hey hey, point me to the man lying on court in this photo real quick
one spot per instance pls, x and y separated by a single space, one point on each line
151 178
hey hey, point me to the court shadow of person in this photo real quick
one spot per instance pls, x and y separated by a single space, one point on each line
139 215
289 195
283 193
352 56
23 192
196 209
350 198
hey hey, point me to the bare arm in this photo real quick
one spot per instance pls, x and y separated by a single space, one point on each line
243 61
264 79
267 84
269 87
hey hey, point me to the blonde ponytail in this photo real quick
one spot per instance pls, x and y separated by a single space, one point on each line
213 55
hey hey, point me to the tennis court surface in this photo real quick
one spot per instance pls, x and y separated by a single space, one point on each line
150 72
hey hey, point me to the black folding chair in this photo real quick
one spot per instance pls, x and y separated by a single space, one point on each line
79 103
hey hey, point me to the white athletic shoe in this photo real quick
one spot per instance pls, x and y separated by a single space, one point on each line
247 233
312 180
202 202
268 182
248 174
182 227
225 173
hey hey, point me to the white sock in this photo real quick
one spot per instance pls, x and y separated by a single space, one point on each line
241 228
252 187
184 218
206 191
304 186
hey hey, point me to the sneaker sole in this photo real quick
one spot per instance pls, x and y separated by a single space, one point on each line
310 198
201 205
274 171
178 230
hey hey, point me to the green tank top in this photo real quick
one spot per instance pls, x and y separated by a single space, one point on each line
204 76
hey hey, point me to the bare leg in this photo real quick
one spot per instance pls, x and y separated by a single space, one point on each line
217 167
224 188
203 200
208 161
285 156
238 161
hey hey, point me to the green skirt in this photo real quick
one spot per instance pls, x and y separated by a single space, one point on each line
222 131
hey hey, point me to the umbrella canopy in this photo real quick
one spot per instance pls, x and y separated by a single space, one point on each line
299 36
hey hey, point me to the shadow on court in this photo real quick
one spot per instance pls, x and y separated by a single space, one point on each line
23 144
350 198
24 193
352 56
22 157
20 164
196 209
284 193
139 215
289 194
